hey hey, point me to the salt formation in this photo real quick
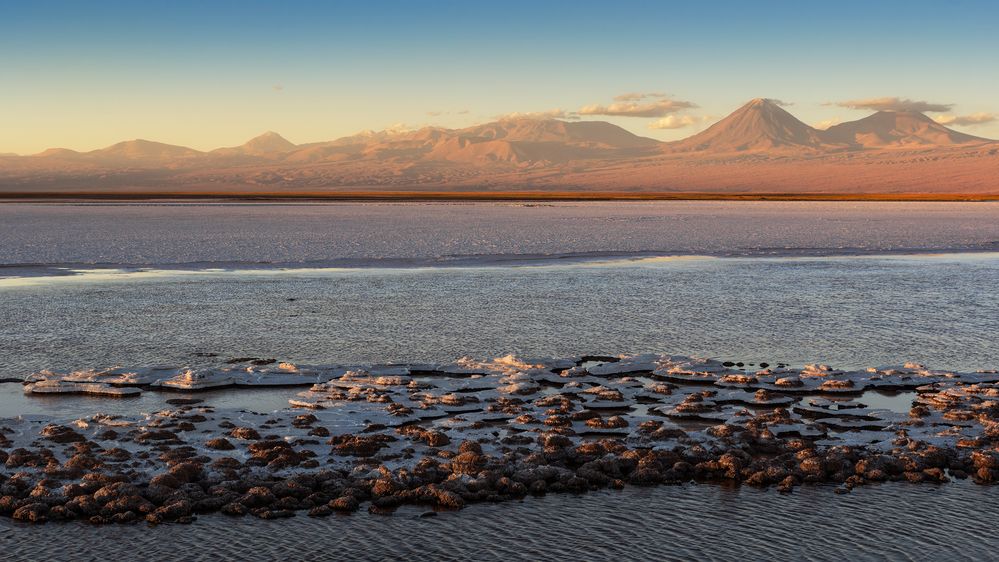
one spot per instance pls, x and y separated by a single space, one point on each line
446 435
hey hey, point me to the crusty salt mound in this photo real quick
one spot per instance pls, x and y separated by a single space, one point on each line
448 435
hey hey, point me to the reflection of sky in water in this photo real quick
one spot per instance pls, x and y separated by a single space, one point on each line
900 402
63 275
893 401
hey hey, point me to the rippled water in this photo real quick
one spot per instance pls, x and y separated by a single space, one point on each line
690 522
846 311
838 288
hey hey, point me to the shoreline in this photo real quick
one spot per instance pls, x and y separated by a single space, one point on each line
456 196
17 274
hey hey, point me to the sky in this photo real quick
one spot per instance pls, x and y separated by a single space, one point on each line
84 75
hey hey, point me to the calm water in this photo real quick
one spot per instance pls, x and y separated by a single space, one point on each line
242 235
852 285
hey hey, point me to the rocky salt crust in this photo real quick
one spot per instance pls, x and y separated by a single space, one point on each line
447 435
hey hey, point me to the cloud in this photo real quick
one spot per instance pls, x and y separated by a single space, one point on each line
439 113
781 103
550 114
825 124
638 96
966 120
399 128
277 87
677 122
894 104
658 108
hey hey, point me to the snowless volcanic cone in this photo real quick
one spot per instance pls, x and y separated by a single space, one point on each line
262 145
897 129
760 125
144 150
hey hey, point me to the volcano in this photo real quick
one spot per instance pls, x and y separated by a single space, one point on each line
268 143
761 125
897 129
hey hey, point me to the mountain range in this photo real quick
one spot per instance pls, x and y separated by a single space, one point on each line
761 147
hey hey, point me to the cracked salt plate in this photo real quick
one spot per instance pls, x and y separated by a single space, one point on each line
68 387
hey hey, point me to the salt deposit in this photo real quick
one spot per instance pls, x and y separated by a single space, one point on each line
486 430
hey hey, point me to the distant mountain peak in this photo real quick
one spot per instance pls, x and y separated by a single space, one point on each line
268 142
897 129
761 127
143 150
761 124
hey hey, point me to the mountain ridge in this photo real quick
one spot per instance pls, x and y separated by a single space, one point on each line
759 146
761 125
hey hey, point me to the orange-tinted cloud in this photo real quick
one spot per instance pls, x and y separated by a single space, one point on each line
966 120
894 104
657 108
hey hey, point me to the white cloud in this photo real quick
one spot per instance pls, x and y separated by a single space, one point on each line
825 124
399 128
676 122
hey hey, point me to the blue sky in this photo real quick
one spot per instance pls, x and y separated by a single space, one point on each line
207 74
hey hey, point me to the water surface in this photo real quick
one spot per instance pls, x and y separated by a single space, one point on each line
849 284
241 235
851 312
690 522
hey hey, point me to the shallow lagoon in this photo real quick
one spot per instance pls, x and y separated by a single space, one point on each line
850 312
811 287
